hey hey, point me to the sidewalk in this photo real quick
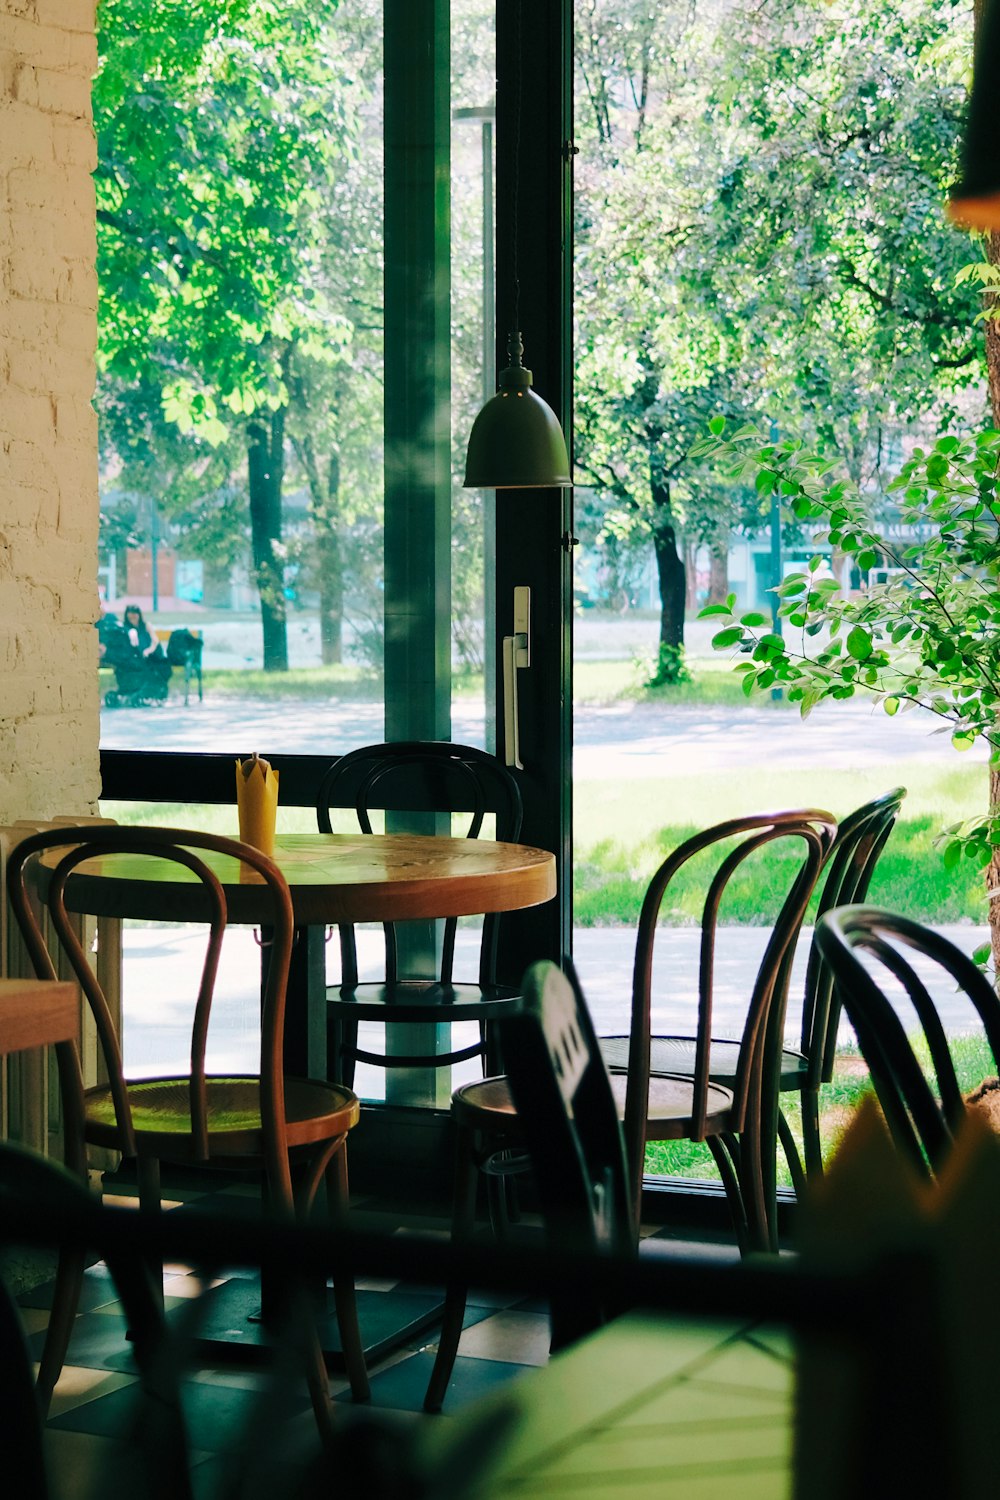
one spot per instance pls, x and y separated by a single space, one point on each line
161 970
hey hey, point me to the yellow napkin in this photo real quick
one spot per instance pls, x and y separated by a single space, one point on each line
257 802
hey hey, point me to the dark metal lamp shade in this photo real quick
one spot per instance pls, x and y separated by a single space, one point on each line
516 441
974 202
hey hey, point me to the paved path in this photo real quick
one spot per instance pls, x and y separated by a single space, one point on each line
161 968
615 741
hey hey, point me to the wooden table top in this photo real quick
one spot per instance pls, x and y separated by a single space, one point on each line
333 877
655 1406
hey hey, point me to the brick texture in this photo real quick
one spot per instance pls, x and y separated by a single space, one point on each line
49 715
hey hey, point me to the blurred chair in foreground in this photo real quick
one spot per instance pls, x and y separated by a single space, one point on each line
879 961
567 1121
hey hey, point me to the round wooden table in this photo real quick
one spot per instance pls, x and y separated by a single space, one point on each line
333 877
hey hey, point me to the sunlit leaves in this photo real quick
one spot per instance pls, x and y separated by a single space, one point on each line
923 627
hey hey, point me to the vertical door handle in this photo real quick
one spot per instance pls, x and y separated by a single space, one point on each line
516 656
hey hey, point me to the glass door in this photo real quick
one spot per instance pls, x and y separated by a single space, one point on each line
296 265
740 260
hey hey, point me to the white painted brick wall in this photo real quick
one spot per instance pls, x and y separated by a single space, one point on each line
49 714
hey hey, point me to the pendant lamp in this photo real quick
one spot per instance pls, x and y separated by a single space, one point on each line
974 202
516 442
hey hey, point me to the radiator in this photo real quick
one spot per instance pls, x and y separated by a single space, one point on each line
30 1112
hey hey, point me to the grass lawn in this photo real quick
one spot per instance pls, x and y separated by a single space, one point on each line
712 682
620 841
838 1100
623 829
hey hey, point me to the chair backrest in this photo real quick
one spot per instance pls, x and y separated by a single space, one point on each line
52 871
877 957
410 777
861 837
566 1111
809 836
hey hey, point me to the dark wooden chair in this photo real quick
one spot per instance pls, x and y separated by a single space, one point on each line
570 1128
39 1014
567 1123
701 1100
281 1124
847 874
878 960
861 838
46 1014
433 786
736 1122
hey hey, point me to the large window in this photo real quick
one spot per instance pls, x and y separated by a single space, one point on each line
270 246
760 241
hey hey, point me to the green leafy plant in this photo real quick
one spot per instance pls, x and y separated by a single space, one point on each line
922 627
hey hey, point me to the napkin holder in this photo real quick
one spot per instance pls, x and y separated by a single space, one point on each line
904 1399
257 803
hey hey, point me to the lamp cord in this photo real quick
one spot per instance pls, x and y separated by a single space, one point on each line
517 179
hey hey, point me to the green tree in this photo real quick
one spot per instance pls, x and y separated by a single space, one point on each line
924 633
761 235
222 127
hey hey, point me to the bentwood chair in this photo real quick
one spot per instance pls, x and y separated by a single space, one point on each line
725 1104
570 1128
846 877
450 787
861 838
735 1121
564 1120
891 975
294 1129
35 1014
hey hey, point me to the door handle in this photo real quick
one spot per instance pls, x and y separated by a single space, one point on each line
516 656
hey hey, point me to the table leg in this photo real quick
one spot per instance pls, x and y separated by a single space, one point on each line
305 1007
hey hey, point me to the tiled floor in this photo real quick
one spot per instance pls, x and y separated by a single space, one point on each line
250 1426
227 1404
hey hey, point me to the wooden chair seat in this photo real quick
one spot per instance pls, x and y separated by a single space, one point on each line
422 1000
489 1106
161 1116
676 1055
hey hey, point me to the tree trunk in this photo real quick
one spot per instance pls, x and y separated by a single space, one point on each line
331 569
670 574
265 461
691 578
718 577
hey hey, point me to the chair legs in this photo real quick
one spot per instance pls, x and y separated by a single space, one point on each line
65 1301
791 1152
725 1151
811 1141
462 1225
341 1048
344 1296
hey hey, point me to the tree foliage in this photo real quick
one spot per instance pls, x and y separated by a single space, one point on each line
225 129
761 237
922 629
